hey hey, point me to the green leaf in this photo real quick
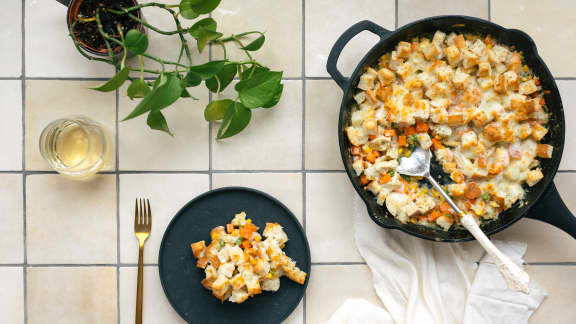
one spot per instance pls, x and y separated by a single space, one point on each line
204 31
216 109
167 89
275 98
186 9
203 6
259 90
136 42
206 23
157 121
138 89
208 70
192 79
235 120
185 93
115 82
257 70
255 44
225 76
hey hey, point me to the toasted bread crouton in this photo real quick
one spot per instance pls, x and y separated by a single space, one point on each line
544 151
538 132
198 248
534 176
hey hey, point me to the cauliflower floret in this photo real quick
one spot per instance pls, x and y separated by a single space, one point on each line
358 166
239 219
275 232
357 135
445 222
271 284
401 206
226 269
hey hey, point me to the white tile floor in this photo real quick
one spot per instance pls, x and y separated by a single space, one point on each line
50 258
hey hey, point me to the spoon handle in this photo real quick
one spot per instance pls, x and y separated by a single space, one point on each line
515 277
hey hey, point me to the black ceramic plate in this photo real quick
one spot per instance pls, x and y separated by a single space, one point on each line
181 278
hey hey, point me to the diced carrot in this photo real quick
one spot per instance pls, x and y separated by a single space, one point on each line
472 191
247 230
229 228
433 215
389 132
422 127
412 47
542 102
356 150
445 208
246 244
488 40
409 131
537 81
468 205
385 178
371 137
437 144
364 180
215 261
371 157
402 140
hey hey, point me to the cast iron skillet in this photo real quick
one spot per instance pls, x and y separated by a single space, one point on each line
542 201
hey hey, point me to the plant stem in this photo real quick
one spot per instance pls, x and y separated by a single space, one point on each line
182 39
105 36
237 40
161 61
79 49
140 6
159 31
223 49
141 60
124 49
233 37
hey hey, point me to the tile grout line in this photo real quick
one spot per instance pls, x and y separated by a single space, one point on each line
489 10
24 178
396 14
150 79
303 146
210 97
117 164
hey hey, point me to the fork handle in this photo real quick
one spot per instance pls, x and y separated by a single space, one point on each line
139 294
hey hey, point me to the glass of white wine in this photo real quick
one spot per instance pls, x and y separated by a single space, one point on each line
75 146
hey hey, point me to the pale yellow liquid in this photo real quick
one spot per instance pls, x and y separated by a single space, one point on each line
79 151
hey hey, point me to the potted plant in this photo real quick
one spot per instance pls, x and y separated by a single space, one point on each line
111 30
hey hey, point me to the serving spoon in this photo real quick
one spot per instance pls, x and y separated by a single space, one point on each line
418 164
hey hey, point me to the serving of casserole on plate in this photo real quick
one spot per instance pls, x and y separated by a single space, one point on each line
471 100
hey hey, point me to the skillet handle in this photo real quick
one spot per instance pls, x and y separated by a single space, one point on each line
65 2
341 43
552 210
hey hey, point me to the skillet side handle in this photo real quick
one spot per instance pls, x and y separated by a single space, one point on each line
341 43
552 210
65 2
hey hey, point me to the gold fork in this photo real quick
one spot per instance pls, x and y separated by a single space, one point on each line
142 227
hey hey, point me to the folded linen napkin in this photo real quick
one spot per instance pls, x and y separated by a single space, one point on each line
419 281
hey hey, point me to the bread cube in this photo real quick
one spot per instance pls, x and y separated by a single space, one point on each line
528 87
404 70
453 55
511 80
534 176
444 72
438 38
430 51
484 69
469 139
460 42
385 75
360 97
470 59
460 80
514 62
478 48
424 140
497 54
485 83
456 189
538 132
366 81
499 84
198 248
403 49
544 151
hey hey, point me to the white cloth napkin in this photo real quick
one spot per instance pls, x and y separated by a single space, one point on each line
420 281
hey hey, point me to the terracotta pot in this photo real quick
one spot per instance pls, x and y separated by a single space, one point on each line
73 8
